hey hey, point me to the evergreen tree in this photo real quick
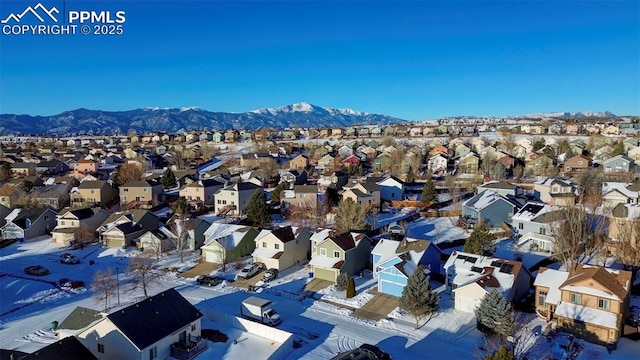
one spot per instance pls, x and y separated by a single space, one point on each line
257 210
503 353
341 282
277 193
350 216
168 179
351 288
331 199
181 206
417 297
429 195
618 149
495 315
481 241
411 177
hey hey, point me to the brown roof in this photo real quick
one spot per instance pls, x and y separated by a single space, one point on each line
344 241
285 234
338 265
278 255
616 283
415 245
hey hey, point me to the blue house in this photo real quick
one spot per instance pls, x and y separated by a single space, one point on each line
492 207
395 261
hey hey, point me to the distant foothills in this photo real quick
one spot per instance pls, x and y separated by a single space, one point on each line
176 120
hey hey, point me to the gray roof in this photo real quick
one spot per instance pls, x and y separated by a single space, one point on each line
98 184
79 318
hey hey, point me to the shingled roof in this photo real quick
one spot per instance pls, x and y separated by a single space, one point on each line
153 319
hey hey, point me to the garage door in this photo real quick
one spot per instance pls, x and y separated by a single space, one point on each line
466 304
390 288
212 257
324 274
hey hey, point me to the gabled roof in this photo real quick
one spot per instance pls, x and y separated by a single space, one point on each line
618 282
619 157
142 183
20 216
284 234
344 241
97 184
80 214
155 318
80 318
482 200
305 189
69 348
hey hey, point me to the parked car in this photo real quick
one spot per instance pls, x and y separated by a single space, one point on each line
270 275
250 270
37 270
66 284
69 259
208 280
365 351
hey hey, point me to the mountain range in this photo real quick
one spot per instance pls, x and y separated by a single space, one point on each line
84 121
173 120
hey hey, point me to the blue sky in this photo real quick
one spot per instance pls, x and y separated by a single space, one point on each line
413 60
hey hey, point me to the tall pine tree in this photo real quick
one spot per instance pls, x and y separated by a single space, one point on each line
495 315
168 179
481 241
429 195
257 210
417 297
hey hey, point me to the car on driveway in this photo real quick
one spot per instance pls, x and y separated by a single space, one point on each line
208 280
69 259
37 270
365 351
270 275
250 270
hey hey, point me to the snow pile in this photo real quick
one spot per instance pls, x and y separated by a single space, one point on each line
332 294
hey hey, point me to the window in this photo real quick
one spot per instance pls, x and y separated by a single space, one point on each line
580 162
264 244
101 348
145 189
575 298
336 254
543 231
62 222
124 198
603 304
521 226
126 189
276 246
93 191
542 297
323 252
219 202
193 327
153 353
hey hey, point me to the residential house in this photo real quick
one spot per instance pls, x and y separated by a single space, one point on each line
157 241
461 150
335 254
493 208
283 247
158 327
345 151
70 346
233 199
539 165
576 164
470 277
294 177
611 130
364 194
83 167
559 192
72 221
51 167
79 319
121 229
54 196
299 162
202 192
591 302
144 193
23 169
92 193
572 129
438 163
619 163
634 153
26 224
625 218
336 180
614 193
532 226
395 261
382 162
392 189
469 164
305 196
352 160
225 243
328 163
501 187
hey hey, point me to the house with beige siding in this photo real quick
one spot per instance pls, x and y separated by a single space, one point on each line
144 194
365 194
334 254
81 168
92 193
122 228
71 220
202 191
588 301
282 248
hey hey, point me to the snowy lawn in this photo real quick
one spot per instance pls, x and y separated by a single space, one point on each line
364 283
437 230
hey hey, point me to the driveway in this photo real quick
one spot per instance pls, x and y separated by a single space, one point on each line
377 308
204 268
316 285
244 283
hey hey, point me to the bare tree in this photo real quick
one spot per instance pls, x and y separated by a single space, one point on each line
129 172
104 285
84 234
180 238
143 272
304 213
395 162
628 244
577 235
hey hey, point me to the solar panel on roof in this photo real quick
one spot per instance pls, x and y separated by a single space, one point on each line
476 269
496 263
506 268
472 259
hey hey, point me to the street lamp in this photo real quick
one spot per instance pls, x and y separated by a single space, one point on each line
118 283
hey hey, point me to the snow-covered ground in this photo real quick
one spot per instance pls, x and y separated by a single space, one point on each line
29 304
